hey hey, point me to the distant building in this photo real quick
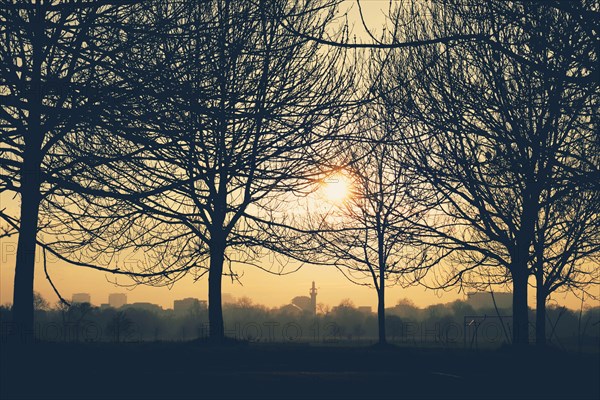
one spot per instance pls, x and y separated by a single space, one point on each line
189 305
81 298
365 309
481 300
305 303
105 306
291 309
117 300
144 306
302 302
313 299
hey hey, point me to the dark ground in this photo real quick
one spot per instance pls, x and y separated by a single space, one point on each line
197 370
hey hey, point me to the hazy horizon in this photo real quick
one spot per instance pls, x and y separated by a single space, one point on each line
263 288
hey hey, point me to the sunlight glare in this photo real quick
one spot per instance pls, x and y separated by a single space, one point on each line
336 188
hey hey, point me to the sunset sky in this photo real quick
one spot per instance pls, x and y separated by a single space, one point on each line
261 287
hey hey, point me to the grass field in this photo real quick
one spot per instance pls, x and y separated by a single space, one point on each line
199 370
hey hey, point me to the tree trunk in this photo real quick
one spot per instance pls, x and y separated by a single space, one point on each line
215 309
25 265
520 265
30 181
520 310
540 315
381 311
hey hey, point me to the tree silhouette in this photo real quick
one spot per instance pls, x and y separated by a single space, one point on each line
40 303
566 249
492 137
240 111
406 18
573 23
58 92
119 326
371 235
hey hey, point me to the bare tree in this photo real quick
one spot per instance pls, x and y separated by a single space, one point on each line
40 303
489 135
407 17
240 110
566 249
119 326
369 233
57 91
575 64
566 241
404 19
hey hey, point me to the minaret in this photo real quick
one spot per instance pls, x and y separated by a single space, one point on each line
313 298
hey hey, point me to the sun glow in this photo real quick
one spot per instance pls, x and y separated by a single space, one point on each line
336 188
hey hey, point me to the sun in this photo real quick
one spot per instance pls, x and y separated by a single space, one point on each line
336 188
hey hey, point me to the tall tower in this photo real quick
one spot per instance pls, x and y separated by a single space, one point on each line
313 298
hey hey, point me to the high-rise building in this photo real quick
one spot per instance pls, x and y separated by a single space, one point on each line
81 298
117 300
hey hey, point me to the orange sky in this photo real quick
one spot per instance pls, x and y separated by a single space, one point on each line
262 287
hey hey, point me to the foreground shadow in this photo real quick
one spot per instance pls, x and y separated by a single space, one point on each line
237 369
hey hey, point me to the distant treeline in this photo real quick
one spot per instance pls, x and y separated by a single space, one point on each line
446 325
